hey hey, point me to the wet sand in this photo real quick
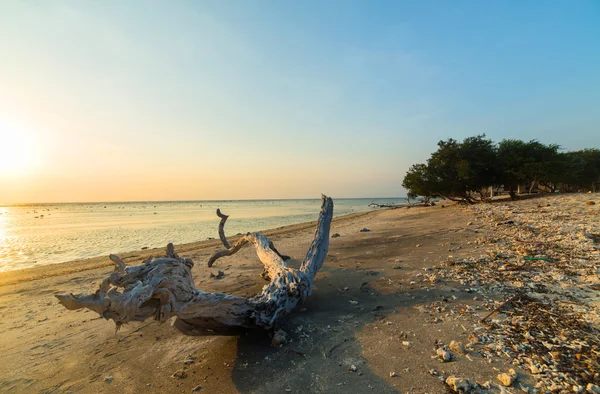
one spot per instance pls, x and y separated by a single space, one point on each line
367 311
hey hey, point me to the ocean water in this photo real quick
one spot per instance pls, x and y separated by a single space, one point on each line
33 235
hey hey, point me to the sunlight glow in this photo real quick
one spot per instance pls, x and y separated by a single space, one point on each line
3 237
18 152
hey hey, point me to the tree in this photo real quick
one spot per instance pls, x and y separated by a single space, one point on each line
590 176
580 170
462 171
418 183
458 171
521 163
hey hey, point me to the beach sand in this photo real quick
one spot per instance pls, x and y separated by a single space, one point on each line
367 312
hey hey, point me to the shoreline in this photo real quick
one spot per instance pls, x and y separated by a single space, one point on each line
28 274
26 204
386 306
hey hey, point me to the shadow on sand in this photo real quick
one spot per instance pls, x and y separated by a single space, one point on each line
323 344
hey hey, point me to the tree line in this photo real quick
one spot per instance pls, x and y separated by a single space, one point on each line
474 169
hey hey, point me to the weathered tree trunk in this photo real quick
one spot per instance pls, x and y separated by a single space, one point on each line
482 196
163 287
532 186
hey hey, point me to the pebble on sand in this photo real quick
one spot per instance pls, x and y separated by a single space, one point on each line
507 379
219 275
457 347
593 388
180 374
279 338
459 385
444 355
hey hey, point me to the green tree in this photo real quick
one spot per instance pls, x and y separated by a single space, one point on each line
580 171
418 182
525 163
458 171
462 171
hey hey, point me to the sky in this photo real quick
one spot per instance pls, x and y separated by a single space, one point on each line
187 100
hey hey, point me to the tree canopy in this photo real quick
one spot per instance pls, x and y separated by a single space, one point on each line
464 171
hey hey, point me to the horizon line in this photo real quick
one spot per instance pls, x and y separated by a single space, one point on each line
163 201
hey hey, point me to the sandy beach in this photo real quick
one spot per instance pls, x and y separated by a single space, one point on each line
386 306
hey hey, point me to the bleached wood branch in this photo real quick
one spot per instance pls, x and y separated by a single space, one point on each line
163 287
222 228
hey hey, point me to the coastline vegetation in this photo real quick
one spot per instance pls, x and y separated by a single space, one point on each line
477 168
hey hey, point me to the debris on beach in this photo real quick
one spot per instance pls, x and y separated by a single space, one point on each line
457 347
279 338
219 275
507 379
545 262
444 355
459 385
364 230
180 374
397 266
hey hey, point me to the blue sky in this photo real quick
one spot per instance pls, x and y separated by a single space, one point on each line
121 100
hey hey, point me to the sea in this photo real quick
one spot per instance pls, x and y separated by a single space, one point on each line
41 234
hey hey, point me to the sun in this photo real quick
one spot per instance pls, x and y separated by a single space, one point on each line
17 152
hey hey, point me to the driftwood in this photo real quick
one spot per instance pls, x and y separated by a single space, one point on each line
391 206
163 287
405 205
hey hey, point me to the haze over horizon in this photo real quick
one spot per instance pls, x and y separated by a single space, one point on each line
150 101
207 201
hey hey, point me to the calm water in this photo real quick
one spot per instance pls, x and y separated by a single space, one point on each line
43 234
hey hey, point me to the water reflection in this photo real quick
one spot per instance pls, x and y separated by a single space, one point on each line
3 238
54 233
